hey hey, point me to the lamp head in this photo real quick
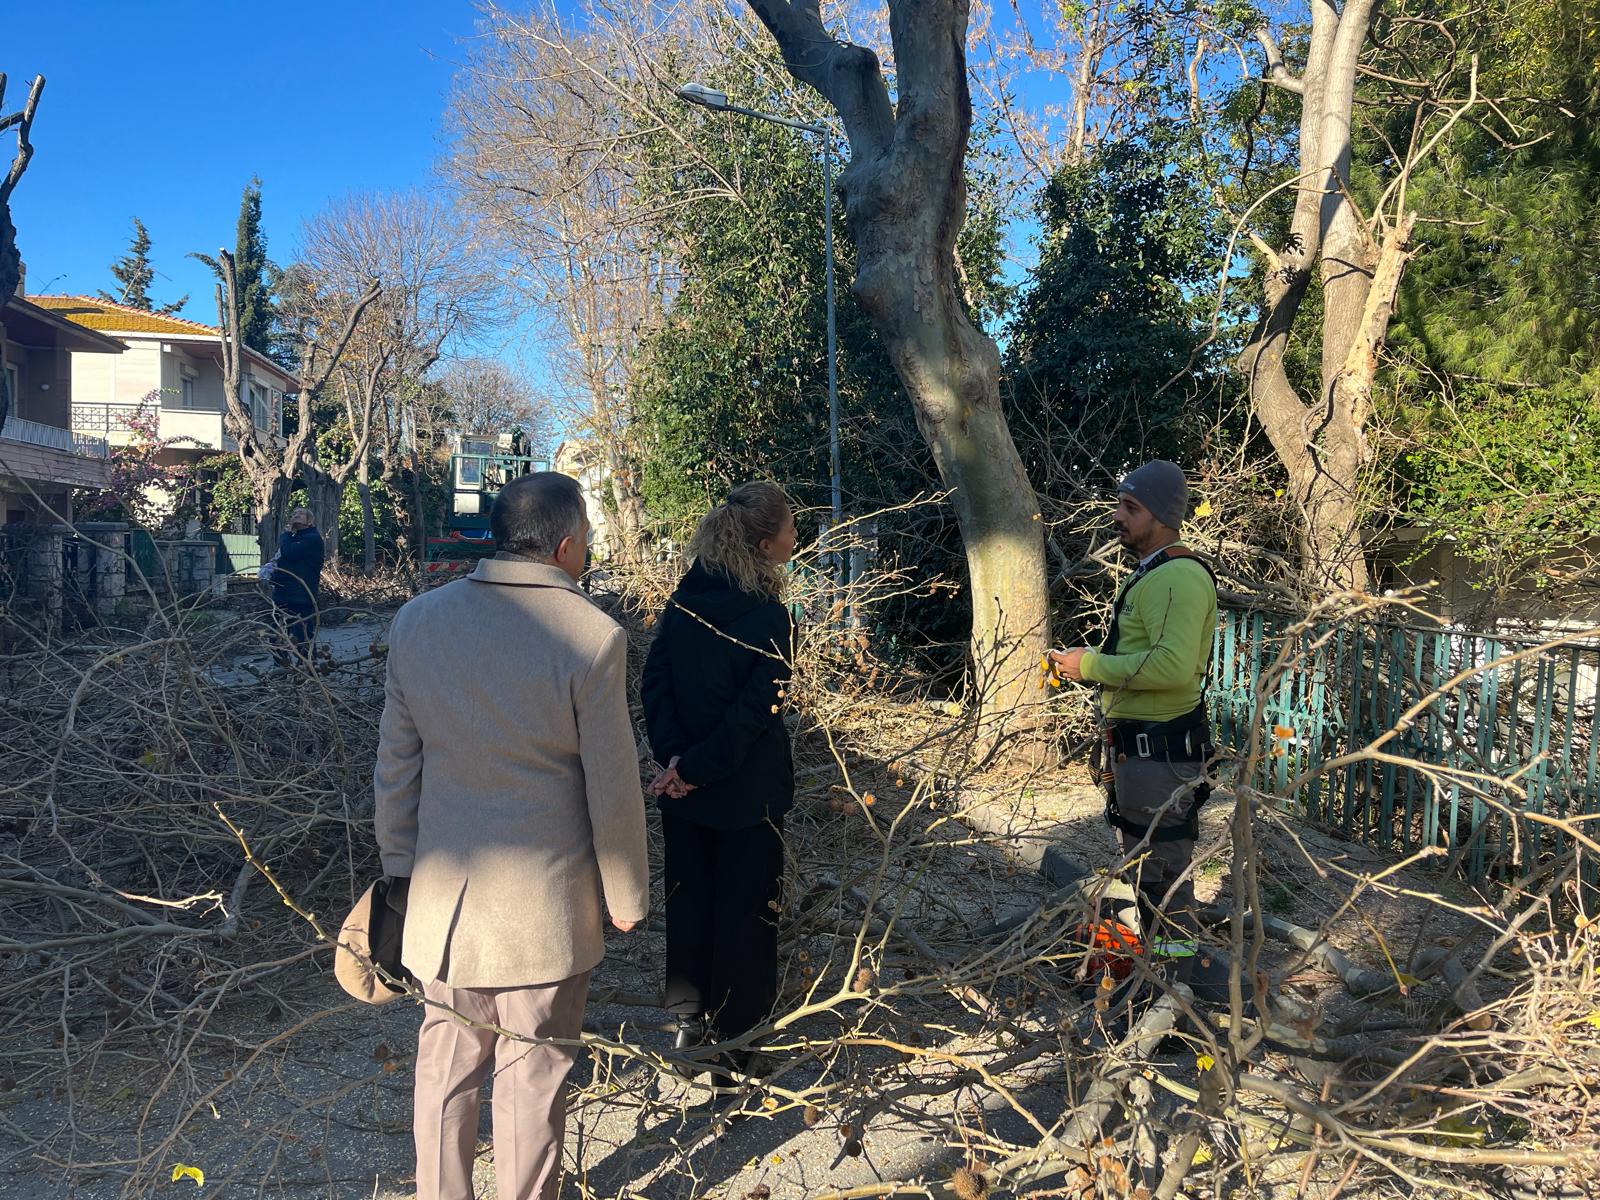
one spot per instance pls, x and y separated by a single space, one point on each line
698 93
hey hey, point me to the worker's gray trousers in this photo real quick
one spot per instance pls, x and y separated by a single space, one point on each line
1155 791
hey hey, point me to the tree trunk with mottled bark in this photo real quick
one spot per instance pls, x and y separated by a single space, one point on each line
1321 440
904 193
629 537
369 521
324 491
269 503
625 535
272 469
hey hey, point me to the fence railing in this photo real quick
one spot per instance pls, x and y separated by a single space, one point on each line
235 551
103 420
37 433
1514 723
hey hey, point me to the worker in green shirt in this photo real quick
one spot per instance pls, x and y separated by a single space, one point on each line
1157 741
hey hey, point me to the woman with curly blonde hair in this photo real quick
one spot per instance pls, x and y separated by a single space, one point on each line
713 688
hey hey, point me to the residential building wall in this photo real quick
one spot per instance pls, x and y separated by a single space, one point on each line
190 389
41 459
583 462
1453 588
125 378
43 376
38 463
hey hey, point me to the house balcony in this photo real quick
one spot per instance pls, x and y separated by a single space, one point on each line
36 433
109 423
184 428
49 454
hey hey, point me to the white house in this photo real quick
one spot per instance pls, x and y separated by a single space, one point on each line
582 459
179 359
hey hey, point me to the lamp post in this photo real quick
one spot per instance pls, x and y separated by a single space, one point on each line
697 93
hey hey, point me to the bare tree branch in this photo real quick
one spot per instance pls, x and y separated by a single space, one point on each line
1276 72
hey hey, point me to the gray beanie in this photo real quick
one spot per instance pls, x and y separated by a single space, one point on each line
1160 486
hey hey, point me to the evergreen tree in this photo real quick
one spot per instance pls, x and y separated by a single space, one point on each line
1119 306
1506 287
1493 404
134 275
259 280
734 384
257 318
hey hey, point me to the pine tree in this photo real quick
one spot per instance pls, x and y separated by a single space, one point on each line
1517 265
1117 306
1507 288
134 275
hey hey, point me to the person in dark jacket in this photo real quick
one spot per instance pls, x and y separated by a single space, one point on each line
713 689
296 578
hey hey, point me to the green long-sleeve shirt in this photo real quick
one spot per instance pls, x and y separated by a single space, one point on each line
1167 626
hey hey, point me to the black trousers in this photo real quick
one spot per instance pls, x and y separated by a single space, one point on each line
723 888
301 621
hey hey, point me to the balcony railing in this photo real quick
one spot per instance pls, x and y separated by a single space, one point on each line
70 441
103 420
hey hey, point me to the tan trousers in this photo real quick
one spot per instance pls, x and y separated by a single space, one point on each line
530 1086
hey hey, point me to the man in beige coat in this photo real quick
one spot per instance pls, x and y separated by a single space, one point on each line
508 791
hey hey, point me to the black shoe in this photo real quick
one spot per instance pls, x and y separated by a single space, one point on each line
748 1064
693 1033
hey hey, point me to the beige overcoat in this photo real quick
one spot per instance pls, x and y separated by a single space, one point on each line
507 782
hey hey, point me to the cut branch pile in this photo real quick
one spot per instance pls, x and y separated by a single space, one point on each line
174 843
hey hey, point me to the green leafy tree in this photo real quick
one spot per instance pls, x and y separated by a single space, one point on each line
1506 287
1109 354
225 496
134 275
1511 479
734 383
1494 389
389 516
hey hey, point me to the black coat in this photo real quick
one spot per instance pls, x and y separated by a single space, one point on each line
299 572
712 698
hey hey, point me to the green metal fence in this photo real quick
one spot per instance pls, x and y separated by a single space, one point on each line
1515 721
146 557
235 551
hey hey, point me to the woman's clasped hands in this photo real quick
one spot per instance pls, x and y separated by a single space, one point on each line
670 783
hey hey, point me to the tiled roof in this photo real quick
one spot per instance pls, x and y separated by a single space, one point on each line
111 317
115 319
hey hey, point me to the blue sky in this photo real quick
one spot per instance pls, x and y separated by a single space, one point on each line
164 109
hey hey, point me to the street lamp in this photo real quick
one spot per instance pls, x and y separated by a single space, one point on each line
698 93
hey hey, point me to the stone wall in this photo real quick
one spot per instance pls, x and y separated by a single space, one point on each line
190 563
58 573
108 562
